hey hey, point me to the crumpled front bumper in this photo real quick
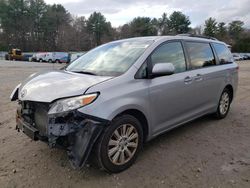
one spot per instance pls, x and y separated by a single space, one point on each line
75 131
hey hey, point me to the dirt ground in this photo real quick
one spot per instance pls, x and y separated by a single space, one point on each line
203 153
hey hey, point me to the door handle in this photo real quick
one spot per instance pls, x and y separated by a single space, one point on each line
198 77
188 80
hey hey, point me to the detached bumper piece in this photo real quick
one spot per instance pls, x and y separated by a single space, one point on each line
81 130
82 145
74 131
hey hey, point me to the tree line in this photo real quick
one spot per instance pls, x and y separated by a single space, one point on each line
233 33
33 25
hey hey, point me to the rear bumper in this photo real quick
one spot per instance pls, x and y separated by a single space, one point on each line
74 131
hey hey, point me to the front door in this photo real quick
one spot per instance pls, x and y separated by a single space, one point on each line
171 97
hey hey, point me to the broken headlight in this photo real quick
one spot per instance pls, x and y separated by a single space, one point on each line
64 105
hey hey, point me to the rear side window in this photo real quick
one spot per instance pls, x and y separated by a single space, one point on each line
201 55
223 53
171 52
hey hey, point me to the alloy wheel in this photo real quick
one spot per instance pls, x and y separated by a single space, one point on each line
224 103
123 144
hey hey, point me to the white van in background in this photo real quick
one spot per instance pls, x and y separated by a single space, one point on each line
57 57
38 57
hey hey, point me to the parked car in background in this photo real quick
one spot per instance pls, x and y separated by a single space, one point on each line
246 56
27 56
119 95
241 56
237 57
57 57
14 54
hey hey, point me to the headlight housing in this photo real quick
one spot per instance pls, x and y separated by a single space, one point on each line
64 105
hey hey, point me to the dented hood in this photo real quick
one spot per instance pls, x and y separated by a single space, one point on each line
50 85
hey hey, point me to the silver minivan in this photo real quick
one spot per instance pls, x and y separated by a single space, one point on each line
114 98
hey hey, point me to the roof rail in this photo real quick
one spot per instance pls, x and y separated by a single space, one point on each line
198 36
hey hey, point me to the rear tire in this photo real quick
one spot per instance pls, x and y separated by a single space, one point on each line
119 145
224 104
57 61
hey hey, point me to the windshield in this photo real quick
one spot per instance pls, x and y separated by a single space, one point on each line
112 59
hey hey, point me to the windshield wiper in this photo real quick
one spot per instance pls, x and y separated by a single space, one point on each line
84 72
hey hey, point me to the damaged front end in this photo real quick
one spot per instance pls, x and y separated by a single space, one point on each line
72 130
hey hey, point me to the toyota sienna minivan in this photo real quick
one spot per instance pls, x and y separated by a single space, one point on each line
111 100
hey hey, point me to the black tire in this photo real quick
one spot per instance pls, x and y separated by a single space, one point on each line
220 114
40 60
50 61
57 61
102 146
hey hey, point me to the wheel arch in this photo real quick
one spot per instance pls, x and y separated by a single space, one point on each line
140 117
230 88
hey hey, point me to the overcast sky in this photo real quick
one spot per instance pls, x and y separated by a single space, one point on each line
119 12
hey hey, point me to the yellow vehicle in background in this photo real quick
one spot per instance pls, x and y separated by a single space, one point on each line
14 54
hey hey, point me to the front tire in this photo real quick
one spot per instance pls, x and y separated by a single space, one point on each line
119 145
224 104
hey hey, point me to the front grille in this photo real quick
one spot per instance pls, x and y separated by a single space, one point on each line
36 114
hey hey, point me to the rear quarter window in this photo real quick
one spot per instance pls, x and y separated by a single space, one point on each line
200 54
223 53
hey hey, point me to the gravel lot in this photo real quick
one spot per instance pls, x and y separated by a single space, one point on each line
203 153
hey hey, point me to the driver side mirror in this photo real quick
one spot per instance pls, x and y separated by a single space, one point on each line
163 69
